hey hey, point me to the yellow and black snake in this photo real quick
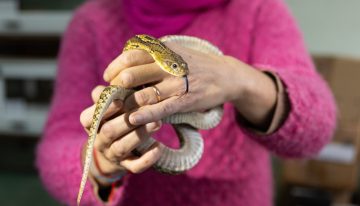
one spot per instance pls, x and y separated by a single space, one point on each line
172 161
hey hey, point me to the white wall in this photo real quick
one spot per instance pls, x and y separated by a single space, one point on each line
41 23
329 26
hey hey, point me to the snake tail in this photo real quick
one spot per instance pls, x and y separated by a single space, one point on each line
109 94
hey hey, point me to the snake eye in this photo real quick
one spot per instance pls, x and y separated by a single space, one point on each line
174 66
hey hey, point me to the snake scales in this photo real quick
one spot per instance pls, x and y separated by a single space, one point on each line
172 161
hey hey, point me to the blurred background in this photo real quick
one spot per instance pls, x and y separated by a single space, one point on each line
30 31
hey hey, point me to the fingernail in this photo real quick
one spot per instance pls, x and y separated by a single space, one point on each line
156 128
136 119
157 125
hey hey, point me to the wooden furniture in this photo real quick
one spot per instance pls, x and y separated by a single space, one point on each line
340 178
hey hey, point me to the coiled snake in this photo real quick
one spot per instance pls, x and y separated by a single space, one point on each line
172 161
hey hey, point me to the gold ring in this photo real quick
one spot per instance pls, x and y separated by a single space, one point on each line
157 93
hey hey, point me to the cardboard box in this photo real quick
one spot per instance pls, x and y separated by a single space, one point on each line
343 77
331 175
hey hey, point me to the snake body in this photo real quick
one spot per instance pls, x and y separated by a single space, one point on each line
172 161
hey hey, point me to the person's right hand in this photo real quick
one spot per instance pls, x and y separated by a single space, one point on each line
117 138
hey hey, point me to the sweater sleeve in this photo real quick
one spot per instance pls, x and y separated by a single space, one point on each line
278 47
59 151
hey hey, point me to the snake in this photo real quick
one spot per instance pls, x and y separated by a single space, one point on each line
186 125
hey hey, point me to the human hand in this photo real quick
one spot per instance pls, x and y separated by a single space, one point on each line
117 138
211 82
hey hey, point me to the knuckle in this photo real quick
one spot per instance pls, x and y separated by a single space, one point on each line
168 109
153 115
127 58
126 79
109 156
184 105
107 130
142 97
98 145
119 150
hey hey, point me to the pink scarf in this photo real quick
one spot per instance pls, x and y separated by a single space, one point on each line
162 17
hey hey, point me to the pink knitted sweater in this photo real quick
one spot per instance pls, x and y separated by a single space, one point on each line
235 167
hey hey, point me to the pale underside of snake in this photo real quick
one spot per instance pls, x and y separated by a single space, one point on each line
172 161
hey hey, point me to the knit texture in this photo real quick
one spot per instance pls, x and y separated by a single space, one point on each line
235 167
164 17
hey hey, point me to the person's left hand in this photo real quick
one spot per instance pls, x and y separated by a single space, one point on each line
210 83
213 80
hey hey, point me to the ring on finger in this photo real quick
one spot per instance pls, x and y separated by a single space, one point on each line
157 93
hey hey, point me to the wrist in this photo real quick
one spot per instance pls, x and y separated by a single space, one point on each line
253 93
240 80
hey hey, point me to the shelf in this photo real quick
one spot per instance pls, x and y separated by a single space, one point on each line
28 68
18 117
15 22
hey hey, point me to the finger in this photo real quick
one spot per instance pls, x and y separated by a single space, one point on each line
95 93
122 147
172 86
139 75
86 116
112 130
139 164
155 112
126 59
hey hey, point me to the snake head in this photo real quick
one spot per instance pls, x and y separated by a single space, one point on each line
176 66
167 59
